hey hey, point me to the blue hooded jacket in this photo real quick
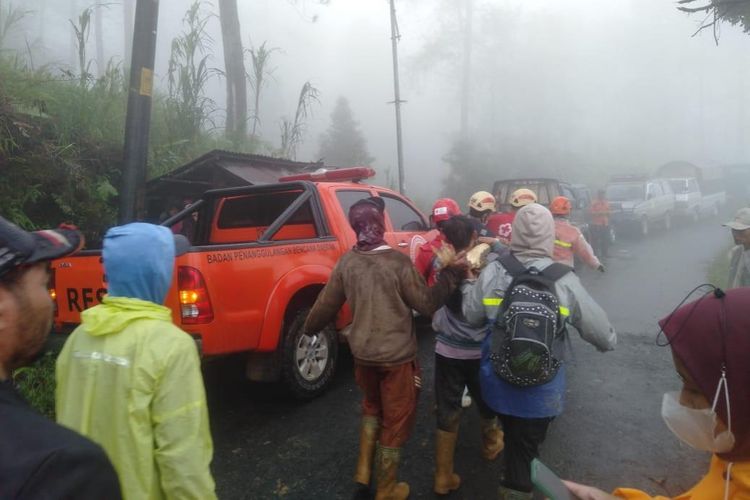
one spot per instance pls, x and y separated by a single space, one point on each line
139 261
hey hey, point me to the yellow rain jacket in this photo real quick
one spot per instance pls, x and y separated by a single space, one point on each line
711 487
131 381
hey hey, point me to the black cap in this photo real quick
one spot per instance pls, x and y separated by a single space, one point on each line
19 247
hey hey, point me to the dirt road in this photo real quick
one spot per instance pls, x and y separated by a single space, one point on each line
610 434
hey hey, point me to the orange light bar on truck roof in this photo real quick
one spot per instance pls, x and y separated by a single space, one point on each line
352 174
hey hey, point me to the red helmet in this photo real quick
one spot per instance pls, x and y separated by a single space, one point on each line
560 206
444 209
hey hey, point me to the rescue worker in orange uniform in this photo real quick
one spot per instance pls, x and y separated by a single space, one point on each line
600 224
569 242
502 223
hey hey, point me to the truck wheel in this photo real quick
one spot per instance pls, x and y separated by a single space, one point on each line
644 227
308 361
668 221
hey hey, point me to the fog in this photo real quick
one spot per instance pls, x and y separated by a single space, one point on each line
579 88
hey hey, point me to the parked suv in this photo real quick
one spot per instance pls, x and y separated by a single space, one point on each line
546 190
639 203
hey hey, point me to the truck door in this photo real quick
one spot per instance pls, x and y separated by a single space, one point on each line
407 225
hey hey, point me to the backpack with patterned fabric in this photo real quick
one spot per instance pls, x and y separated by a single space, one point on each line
528 324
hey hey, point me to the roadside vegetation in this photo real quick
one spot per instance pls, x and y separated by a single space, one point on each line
36 383
62 128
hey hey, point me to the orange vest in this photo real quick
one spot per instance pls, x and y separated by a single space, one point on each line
569 242
600 212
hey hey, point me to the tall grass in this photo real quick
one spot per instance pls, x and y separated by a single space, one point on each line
292 131
187 106
260 58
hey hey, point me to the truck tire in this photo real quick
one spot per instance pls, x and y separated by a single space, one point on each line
308 361
668 221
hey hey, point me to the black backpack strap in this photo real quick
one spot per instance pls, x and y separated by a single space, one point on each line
512 264
555 271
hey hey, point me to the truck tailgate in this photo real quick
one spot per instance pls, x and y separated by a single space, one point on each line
79 283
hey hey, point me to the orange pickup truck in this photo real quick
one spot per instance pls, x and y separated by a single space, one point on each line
260 256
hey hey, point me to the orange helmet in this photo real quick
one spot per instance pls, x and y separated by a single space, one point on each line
444 209
522 197
560 206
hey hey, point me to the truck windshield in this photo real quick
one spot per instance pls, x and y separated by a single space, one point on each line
679 185
625 192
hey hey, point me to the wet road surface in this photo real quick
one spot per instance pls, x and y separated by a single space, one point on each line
610 434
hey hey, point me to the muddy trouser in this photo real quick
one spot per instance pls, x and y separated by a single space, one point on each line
600 240
451 375
390 394
523 436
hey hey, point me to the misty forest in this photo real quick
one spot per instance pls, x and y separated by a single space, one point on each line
491 89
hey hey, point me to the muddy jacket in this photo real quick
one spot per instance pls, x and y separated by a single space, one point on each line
739 267
569 242
481 306
381 287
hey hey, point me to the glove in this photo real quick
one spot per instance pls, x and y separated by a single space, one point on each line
601 268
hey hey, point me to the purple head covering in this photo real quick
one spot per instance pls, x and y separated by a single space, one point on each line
709 334
366 218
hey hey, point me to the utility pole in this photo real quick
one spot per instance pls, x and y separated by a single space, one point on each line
138 119
395 37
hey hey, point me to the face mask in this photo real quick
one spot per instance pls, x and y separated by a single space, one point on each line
696 427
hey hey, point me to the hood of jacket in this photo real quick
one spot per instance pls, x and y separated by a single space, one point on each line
115 314
138 261
533 233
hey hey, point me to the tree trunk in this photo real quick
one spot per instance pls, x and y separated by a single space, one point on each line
128 10
99 39
234 64
466 70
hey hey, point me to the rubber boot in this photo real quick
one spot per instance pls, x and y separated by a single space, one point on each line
368 436
508 494
386 467
492 439
445 479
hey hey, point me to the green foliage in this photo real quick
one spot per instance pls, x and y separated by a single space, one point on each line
36 383
343 143
59 150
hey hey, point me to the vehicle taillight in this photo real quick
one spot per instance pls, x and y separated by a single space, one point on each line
51 289
195 304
